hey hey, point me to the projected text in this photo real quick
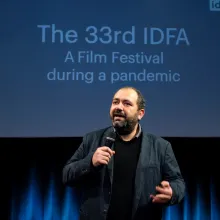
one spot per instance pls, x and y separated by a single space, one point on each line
90 65
107 35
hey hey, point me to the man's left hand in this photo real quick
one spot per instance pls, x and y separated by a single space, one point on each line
164 195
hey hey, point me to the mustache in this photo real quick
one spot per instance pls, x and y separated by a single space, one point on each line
119 114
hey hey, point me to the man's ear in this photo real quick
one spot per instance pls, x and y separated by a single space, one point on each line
141 114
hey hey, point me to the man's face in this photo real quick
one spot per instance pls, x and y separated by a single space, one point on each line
124 111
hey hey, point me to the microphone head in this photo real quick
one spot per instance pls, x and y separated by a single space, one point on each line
110 139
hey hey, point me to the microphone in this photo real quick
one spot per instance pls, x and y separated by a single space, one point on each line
110 140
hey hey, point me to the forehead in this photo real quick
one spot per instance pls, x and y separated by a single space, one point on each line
126 94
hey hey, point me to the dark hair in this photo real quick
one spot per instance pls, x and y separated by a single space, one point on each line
140 100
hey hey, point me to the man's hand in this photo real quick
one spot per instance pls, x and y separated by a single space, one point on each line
164 195
102 156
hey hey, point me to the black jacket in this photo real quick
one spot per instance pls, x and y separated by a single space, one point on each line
156 163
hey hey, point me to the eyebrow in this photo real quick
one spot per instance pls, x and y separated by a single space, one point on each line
124 100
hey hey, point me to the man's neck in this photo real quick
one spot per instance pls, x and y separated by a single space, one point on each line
131 135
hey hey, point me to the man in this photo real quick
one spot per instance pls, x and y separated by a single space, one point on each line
136 178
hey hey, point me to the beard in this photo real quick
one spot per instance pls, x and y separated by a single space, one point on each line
125 125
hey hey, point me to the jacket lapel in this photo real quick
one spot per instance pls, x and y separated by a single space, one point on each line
139 178
110 168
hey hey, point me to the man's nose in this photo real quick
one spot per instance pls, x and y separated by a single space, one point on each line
120 106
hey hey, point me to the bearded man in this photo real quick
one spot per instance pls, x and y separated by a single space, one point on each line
132 178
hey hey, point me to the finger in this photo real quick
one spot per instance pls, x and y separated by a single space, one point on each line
106 154
107 149
163 190
106 158
165 184
103 151
103 162
110 151
104 148
163 196
160 198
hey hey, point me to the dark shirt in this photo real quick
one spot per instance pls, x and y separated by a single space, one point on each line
125 163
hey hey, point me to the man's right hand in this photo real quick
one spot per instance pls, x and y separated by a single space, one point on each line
102 156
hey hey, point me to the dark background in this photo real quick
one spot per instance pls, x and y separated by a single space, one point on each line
33 189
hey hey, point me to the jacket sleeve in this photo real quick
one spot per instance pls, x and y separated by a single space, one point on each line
172 174
78 167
